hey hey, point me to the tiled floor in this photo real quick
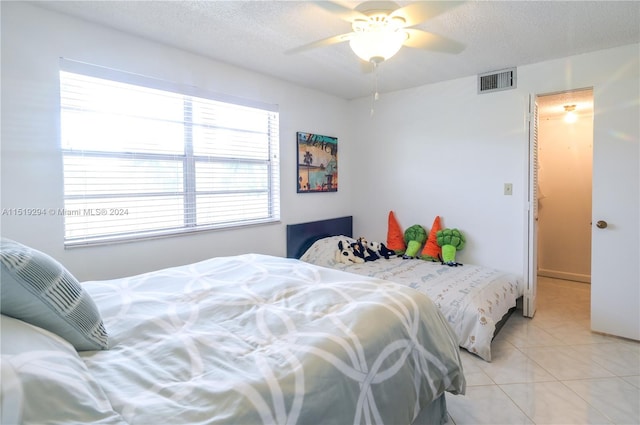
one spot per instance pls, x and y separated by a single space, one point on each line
552 369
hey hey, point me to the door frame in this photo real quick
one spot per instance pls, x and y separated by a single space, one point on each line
531 203
531 210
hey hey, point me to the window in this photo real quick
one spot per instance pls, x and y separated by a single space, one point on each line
143 158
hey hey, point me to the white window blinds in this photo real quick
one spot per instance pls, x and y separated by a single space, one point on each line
143 161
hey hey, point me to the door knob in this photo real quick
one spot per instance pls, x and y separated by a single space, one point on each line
601 224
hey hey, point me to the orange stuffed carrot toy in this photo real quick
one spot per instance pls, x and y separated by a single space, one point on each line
431 250
395 235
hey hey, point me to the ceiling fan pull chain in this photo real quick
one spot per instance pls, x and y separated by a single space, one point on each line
376 95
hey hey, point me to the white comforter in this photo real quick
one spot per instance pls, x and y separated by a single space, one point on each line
257 339
473 298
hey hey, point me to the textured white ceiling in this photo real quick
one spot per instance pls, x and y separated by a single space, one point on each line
255 34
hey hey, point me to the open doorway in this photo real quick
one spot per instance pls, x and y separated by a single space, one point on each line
559 189
564 185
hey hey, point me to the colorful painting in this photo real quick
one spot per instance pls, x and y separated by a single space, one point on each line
317 163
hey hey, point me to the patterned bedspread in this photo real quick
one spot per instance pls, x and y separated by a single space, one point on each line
472 298
257 339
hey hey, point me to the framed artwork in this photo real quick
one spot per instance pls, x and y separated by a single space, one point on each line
317 163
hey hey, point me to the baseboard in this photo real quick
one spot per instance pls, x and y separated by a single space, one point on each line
565 275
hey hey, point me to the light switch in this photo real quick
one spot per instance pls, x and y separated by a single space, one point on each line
508 189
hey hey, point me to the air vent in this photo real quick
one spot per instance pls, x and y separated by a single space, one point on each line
497 80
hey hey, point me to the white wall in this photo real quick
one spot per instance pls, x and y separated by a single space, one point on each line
564 212
442 149
33 40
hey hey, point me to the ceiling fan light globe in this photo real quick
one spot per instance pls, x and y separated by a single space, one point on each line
377 46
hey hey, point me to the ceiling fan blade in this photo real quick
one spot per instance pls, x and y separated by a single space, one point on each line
425 40
341 11
320 43
420 11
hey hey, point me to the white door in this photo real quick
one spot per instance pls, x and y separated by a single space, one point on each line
615 249
529 299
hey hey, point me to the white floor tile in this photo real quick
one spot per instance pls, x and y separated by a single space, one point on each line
477 378
553 403
620 358
565 363
614 397
578 333
485 405
473 371
531 336
471 362
514 367
633 380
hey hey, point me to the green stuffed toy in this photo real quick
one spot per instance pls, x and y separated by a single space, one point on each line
414 237
450 240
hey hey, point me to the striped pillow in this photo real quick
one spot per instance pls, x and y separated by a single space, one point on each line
37 289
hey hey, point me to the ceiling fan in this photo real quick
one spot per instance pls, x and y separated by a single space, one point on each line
381 28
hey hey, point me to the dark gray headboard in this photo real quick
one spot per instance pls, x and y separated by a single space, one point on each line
301 236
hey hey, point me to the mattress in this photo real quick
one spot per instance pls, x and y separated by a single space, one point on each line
472 298
258 339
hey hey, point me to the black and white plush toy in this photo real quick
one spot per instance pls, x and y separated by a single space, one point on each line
381 249
364 251
350 252
346 254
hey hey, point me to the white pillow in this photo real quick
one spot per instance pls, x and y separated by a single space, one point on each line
323 251
46 381
39 290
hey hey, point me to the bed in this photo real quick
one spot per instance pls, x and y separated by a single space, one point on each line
247 339
475 300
